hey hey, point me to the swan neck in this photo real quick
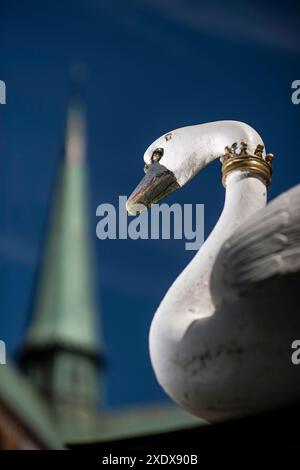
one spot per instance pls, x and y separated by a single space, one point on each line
244 196
209 142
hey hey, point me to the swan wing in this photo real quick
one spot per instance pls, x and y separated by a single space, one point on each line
267 245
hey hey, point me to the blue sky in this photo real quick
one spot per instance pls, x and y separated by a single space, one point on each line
153 66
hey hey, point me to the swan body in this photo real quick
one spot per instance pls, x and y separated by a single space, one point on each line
220 341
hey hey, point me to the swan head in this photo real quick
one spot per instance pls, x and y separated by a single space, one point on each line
176 157
169 163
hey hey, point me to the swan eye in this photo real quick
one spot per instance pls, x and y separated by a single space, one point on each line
157 154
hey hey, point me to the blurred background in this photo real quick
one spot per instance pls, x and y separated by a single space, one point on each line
150 66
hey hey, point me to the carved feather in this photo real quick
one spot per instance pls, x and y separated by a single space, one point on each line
265 246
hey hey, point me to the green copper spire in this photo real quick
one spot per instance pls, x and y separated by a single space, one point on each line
64 310
61 351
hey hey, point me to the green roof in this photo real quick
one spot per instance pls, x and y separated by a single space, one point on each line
138 421
25 403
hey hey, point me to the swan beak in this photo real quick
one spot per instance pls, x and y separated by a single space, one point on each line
157 183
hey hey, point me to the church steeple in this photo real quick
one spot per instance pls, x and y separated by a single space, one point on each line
61 352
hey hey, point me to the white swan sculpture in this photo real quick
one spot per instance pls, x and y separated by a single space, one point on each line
220 341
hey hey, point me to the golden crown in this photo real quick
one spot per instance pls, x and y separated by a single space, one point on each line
237 157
